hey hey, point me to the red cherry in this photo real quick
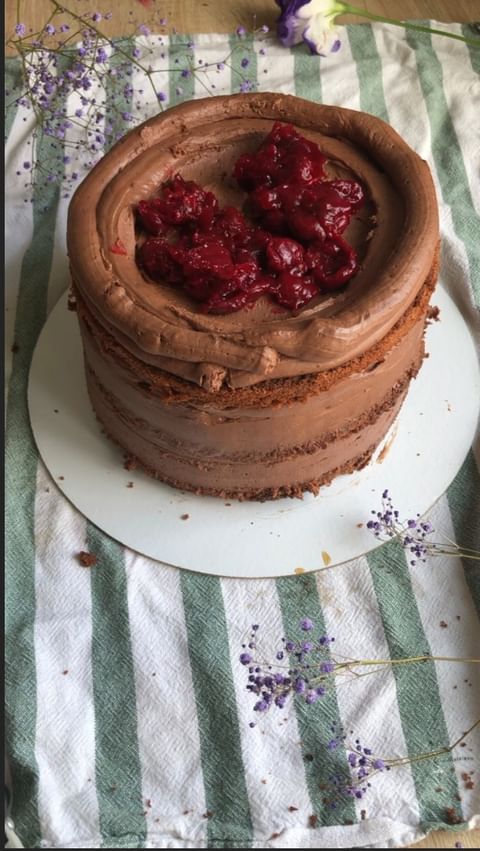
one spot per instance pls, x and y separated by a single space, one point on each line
284 254
158 259
335 263
294 292
150 217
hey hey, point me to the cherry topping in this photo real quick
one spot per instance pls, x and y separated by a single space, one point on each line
285 254
157 257
150 216
294 249
294 291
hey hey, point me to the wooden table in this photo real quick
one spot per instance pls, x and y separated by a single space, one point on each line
225 16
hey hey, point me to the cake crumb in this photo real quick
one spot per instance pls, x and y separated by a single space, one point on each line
15 348
312 821
65 671
129 484
61 478
274 836
451 816
299 570
184 517
87 559
467 780
292 809
443 624
433 314
130 463
326 558
208 814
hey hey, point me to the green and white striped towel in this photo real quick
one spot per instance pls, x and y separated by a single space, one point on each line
145 742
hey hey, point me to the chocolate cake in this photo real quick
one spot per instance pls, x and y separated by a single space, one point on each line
251 377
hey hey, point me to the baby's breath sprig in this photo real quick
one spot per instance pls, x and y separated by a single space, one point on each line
364 764
305 669
414 534
308 667
70 64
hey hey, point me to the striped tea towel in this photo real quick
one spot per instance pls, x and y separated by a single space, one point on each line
127 714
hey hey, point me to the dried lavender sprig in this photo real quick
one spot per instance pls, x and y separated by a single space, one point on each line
413 534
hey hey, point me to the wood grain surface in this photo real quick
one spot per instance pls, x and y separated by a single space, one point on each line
224 16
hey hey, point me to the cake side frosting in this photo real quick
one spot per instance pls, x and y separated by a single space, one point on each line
296 437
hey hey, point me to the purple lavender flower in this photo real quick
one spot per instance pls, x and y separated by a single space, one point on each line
20 30
245 62
161 96
245 658
144 30
50 29
241 31
306 624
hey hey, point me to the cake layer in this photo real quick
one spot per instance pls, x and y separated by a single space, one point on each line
396 236
259 477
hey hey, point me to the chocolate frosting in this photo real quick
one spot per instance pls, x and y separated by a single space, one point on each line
396 235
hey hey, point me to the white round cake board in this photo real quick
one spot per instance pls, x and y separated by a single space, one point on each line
416 462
